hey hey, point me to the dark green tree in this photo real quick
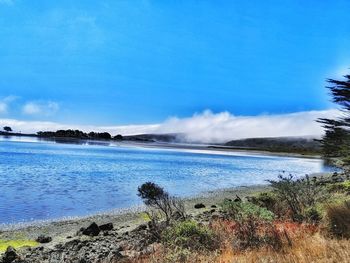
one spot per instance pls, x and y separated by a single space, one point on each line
7 129
336 140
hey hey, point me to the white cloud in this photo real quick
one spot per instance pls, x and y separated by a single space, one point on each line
205 127
221 127
40 108
3 107
5 102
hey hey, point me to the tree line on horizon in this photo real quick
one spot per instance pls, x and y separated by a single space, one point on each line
79 134
336 140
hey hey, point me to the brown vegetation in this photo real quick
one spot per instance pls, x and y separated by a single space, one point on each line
309 228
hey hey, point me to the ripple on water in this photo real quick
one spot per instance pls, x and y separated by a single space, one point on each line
44 181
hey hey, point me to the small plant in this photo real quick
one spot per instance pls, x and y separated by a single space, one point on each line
298 194
190 235
253 233
338 220
343 187
271 202
243 210
157 198
164 209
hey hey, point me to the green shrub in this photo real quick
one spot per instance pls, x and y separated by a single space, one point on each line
343 187
190 235
338 220
346 160
271 202
298 194
243 210
166 206
313 215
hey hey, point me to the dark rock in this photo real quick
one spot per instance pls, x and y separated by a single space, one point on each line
43 239
92 230
140 228
213 206
199 205
215 216
237 199
106 227
337 180
10 255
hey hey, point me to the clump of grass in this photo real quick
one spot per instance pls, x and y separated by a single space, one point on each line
308 248
338 220
271 202
252 233
190 235
299 195
343 187
16 244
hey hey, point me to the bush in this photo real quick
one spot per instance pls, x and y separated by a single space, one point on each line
298 194
338 220
243 210
157 198
313 215
190 235
271 202
253 233
343 187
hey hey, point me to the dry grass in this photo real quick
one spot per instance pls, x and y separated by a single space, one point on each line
338 220
301 243
310 249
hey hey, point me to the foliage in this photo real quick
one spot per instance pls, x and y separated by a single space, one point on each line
190 235
157 198
313 215
336 141
7 129
75 134
118 137
298 194
16 244
338 220
271 202
343 187
244 210
253 233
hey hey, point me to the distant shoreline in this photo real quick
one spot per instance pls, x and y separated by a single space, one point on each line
212 148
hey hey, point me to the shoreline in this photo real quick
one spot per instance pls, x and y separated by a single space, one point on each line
131 215
191 147
123 220
126 218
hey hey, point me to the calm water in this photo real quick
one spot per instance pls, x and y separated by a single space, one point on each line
43 180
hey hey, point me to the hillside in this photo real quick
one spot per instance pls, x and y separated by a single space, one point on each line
278 144
166 137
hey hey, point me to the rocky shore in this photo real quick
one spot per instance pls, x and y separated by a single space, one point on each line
107 237
117 237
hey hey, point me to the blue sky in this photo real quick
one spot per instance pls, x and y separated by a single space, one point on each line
141 62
